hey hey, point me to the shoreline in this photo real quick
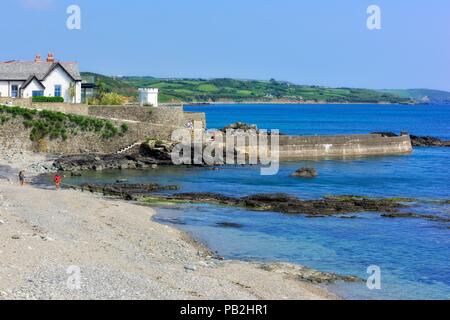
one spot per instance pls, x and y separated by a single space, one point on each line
121 256
206 104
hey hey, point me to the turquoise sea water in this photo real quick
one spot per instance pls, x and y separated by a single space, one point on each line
413 254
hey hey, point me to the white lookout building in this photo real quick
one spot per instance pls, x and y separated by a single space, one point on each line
50 78
148 96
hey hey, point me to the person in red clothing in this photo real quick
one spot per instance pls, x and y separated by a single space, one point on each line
58 182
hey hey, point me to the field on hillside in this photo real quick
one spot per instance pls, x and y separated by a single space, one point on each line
216 90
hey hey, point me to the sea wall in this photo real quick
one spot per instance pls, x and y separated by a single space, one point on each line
143 123
323 147
14 135
311 147
25 102
173 115
72 108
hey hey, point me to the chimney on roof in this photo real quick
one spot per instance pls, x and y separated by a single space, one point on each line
38 58
50 58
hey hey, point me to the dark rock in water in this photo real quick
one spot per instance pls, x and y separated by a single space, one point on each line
75 174
269 199
280 202
305 173
416 216
240 126
419 141
127 191
122 181
399 215
306 274
386 134
172 221
428 142
229 225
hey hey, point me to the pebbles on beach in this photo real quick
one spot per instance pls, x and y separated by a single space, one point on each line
13 161
120 252
190 267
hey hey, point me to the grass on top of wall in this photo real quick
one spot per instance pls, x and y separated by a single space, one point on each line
59 125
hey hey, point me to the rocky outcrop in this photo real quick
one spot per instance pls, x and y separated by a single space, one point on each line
306 274
416 216
341 206
284 203
386 134
240 126
126 191
428 142
420 141
157 149
232 225
305 173
150 154
81 162
278 202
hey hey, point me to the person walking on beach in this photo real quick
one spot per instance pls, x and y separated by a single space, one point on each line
58 182
22 178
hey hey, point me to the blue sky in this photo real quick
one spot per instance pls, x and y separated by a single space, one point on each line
321 42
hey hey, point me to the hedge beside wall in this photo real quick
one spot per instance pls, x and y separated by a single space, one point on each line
48 99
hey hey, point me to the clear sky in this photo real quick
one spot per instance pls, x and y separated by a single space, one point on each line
320 42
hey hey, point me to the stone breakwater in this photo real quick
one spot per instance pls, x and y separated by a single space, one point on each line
314 147
299 147
154 152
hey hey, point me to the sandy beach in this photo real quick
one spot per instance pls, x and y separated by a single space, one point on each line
117 251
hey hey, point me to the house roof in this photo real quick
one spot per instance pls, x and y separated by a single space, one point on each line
23 70
30 80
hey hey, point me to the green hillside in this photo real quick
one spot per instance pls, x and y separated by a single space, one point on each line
422 95
216 90
110 84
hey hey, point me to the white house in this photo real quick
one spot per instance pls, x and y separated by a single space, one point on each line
50 78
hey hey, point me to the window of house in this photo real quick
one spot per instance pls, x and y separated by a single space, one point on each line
38 93
57 90
14 91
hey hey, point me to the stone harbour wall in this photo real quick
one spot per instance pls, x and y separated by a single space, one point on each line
14 135
323 147
173 115
71 108
310 147
143 123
